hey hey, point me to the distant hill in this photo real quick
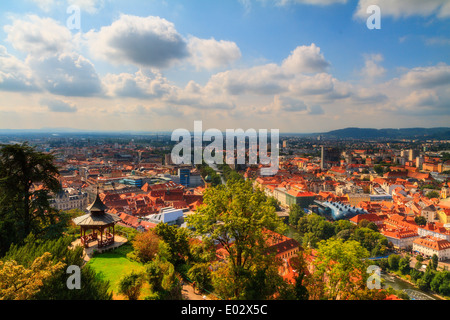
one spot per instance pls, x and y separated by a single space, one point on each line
406 133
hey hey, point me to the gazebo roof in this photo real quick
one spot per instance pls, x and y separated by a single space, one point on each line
97 220
97 215
97 206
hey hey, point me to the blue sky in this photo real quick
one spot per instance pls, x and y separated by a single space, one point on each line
293 65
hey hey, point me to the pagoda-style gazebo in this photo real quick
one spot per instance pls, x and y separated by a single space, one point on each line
100 222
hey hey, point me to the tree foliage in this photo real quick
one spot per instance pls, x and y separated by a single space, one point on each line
177 240
20 283
130 285
55 287
24 208
164 283
237 217
340 270
146 245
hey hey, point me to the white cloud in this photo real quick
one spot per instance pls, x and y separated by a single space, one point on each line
67 74
56 105
372 69
260 80
420 99
405 8
317 84
288 104
15 75
144 42
426 77
39 36
142 84
305 59
45 5
271 78
212 54
90 6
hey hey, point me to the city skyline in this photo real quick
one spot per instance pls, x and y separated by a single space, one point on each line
298 66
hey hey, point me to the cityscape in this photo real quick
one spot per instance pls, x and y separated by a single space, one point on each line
206 152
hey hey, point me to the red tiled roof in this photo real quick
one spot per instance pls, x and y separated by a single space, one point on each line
433 243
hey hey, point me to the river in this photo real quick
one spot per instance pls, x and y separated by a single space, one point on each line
396 283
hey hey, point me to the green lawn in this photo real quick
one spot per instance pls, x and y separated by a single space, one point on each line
113 265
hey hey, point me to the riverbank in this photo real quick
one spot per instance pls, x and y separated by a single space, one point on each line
412 286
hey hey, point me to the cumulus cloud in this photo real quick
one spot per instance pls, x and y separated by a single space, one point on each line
372 69
306 59
52 62
15 75
212 54
261 80
39 36
145 42
56 105
45 5
288 104
426 77
142 84
67 74
198 97
405 8
317 84
294 74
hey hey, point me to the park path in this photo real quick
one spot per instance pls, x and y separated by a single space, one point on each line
189 294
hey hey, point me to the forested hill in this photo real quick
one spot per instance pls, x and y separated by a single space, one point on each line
405 133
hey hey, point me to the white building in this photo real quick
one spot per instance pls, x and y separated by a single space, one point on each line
429 246
70 199
435 230
167 215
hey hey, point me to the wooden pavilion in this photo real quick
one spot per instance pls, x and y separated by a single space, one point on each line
99 222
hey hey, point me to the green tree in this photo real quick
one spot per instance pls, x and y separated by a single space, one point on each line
130 285
394 261
200 273
314 228
177 240
20 283
378 169
237 217
163 281
25 209
433 194
420 220
146 246
340 267
372 240
55 287
298 263
434 262
418 265
403 265
415 275
441 283
295 213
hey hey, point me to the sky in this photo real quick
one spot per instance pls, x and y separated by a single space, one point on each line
158 65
